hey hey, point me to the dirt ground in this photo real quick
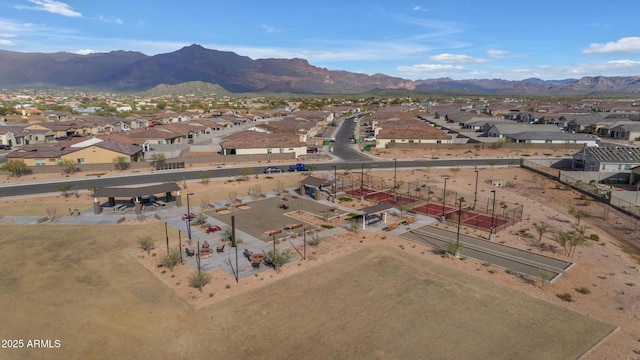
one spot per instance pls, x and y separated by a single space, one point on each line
608 268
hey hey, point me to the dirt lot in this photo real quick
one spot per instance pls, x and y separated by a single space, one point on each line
100 303
94 283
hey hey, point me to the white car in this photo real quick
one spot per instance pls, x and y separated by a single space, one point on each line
370 138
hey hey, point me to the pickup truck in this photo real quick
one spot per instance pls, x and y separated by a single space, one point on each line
298 167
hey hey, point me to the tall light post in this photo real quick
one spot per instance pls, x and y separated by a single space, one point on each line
475 193
335 181
444 196
493 211
189 216
361 181
459 221
395 174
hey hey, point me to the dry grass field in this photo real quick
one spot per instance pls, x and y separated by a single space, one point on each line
77 284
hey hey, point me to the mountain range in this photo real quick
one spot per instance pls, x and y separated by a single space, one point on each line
127 71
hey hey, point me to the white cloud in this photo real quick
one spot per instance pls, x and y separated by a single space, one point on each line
5 42
333 52
624 45
52 6
496 54
423 68
456 59
419 8
269 29
85 51
110 20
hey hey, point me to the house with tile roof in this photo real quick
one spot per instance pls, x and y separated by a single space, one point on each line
550 137
582 122
89 152
157 135
500 130
409 131
254 142
625 130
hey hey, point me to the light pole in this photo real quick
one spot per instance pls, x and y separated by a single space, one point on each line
395 175
444 196
459 221
493 211
475 193
335 181
188 216
361 181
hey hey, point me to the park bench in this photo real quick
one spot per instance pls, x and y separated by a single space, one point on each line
391 227
409 220
220 249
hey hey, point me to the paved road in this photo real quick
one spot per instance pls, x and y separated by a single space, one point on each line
344 148
179 175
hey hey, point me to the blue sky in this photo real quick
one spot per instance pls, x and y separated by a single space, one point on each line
482 39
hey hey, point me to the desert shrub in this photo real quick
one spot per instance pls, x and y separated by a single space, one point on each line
205 177
65 190
16 167
583 290
594 237
171 259
565 297
315 240
279 258
344 199
199 219
145 243
327 226
199 279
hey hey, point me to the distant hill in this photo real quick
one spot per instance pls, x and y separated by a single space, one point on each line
195 88
126 71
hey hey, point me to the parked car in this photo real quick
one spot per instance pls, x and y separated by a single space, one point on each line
370 138
5 147
312 150
298 167
272 169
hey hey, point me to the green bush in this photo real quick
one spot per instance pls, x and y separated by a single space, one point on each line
199 279
145 243
279 258
199 219
171 259
583 290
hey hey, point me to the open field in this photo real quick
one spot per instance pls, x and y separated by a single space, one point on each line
378 302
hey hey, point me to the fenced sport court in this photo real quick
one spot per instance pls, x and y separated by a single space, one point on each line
485 214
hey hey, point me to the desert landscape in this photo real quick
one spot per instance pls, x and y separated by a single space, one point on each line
350 285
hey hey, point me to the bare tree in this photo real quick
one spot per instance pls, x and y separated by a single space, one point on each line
232 197
279 187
